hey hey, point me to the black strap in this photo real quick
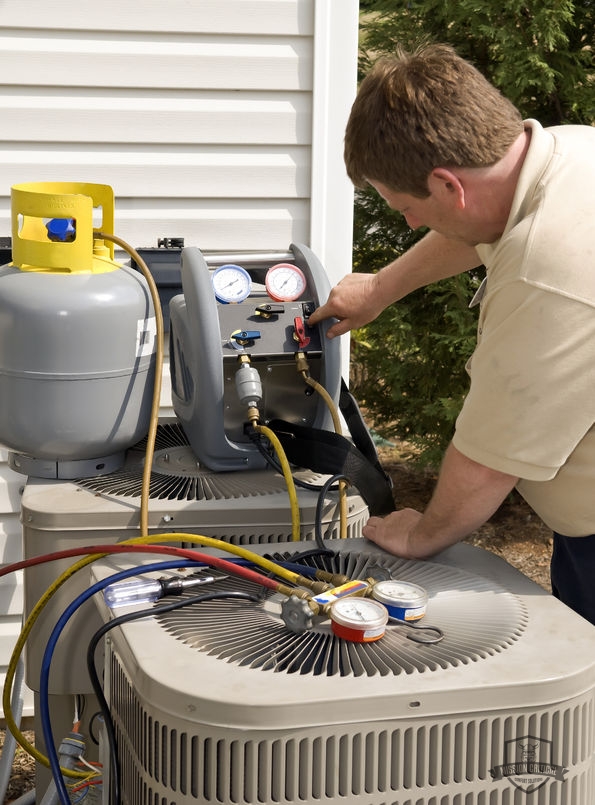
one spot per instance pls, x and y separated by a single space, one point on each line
327 452
357 427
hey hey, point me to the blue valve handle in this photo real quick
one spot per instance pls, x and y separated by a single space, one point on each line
62 230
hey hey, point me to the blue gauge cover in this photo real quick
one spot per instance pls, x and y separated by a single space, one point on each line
231 283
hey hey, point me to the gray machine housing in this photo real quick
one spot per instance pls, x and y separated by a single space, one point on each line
204 358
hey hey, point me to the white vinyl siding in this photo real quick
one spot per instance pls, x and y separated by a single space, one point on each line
219 121
199 114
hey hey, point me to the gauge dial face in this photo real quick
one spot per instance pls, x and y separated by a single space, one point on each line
404 601
285 282
359 620
358 613
231 283
398 592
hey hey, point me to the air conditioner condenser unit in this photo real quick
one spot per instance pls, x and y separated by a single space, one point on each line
219 703
244 508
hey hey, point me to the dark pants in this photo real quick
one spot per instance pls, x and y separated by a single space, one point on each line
573 573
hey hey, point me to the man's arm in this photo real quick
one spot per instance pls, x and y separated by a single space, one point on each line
466 495
359 298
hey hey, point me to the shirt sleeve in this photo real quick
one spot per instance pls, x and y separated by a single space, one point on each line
532 393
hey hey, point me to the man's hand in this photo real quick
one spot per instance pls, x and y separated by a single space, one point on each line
359 298
354 301
393 532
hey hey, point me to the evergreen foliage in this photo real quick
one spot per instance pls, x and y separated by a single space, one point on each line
408 366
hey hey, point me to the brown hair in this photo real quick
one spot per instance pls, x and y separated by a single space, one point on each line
418 111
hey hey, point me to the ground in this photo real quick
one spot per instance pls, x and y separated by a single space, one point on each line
514 533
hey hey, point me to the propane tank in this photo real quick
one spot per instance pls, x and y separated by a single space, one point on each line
77 337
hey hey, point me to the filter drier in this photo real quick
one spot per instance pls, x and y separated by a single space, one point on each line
77 337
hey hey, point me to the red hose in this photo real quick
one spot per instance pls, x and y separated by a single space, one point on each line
186 553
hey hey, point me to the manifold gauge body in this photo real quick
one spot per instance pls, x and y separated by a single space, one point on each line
360 620
231 283
285 282
403 600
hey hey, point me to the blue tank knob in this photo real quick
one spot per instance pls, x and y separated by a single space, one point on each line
61 229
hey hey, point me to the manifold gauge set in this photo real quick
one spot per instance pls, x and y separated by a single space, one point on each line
360 610
363 620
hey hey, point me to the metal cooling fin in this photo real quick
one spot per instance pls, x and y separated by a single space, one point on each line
478 618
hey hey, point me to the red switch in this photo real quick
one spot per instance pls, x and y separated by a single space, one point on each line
299 332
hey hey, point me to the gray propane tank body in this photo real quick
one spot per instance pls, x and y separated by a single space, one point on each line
77 359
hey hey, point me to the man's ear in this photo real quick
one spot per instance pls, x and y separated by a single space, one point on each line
446 185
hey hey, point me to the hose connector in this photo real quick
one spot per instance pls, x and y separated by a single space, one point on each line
301 363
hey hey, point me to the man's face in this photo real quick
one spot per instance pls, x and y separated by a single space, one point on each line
437 211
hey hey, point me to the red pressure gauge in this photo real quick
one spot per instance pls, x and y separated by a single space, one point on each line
285 282
360 620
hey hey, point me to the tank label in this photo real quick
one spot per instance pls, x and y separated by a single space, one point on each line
146 336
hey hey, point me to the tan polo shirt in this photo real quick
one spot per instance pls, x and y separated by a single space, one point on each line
530 410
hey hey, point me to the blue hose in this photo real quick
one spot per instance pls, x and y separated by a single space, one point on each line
57 631
44 709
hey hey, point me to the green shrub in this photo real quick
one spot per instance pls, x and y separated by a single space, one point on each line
407 366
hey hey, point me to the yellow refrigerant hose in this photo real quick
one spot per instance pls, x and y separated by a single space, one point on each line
303 369
293 498
154 416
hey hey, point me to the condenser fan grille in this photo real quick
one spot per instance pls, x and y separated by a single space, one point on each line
177 475
169 434
478 619
200 485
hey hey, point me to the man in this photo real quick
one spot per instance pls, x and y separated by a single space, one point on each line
442 146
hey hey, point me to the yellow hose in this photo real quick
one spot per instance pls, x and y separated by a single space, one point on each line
153 421
293 498
154 416
320 389
212 542
12 665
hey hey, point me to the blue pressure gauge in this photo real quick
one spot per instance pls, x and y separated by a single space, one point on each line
231 283
404 601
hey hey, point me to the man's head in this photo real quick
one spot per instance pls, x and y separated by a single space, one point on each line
418 111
